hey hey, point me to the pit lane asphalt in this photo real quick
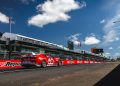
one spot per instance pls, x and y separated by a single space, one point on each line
54 76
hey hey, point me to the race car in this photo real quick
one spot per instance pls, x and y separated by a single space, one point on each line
40 60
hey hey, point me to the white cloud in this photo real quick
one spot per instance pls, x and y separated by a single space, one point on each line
112 26
76 42
117 38
107 53
75 39
102 21
111 36
4 18
112 30
118 47
91 40
110 48
117 54
27 1
53 11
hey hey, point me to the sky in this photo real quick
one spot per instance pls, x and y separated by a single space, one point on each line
91 23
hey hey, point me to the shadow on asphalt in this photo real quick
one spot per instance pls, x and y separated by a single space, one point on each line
111 79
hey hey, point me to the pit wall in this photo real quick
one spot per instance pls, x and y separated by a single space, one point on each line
16 64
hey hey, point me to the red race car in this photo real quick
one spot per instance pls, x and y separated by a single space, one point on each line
40 60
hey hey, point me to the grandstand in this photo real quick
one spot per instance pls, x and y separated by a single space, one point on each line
24 44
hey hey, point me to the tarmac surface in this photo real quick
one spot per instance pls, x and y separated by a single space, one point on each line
106 74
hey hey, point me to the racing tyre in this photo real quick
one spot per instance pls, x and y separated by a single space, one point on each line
43 64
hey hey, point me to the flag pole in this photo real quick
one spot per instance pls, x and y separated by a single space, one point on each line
10 24
80 44
9 45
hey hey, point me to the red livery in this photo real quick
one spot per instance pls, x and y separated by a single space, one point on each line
40 60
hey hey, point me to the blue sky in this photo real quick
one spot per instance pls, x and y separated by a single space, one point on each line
56 21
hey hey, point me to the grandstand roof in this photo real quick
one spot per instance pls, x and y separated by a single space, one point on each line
18 37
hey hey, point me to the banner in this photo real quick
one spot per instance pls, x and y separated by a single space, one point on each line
8 64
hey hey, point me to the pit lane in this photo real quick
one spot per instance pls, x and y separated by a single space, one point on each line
77 75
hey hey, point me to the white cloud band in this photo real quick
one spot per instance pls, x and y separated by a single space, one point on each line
91 40
4 18
53 11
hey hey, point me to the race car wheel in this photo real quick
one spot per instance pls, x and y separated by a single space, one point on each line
43 64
